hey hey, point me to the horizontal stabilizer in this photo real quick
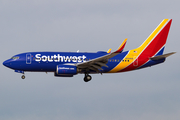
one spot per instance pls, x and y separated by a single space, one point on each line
162 56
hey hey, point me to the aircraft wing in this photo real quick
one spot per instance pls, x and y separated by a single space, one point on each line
97 63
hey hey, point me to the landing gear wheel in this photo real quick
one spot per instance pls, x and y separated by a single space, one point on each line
87 78
23 76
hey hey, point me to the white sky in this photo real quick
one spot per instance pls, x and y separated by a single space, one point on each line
89 26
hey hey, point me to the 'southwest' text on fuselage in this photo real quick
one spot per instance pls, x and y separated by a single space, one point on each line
58 58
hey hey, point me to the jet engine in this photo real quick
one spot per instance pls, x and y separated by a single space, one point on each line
66 70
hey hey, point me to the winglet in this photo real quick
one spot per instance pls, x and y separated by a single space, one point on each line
120 49
109 51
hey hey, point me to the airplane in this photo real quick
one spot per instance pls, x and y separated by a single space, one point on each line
68 64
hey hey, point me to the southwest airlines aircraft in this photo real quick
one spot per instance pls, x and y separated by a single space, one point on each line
68 64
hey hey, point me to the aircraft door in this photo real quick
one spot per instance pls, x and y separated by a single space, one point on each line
28 58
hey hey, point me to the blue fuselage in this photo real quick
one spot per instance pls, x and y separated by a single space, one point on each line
48 61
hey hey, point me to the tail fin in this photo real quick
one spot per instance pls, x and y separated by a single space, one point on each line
154 44
149 50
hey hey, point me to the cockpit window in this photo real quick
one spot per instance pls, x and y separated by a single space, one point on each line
15 58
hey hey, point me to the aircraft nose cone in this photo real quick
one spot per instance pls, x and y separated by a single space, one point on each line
6 63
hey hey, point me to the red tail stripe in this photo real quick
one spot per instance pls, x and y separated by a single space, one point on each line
158 42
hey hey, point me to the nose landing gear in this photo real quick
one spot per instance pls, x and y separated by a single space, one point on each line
19 71
23 76
87 78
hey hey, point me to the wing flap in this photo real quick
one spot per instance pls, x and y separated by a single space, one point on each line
94 69
101 64
97 67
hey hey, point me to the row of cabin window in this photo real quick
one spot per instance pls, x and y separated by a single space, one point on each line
111 60
114 60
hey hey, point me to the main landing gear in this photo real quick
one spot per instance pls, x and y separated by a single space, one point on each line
87 77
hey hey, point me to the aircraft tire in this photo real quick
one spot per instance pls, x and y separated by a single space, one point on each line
23 76
87 78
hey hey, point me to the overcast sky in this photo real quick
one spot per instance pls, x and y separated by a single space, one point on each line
89 26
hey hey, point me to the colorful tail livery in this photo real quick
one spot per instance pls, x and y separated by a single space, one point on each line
68 64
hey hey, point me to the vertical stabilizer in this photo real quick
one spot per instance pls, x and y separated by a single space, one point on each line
152 46
155 43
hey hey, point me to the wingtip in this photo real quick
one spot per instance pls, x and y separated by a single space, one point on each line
109 51
120 49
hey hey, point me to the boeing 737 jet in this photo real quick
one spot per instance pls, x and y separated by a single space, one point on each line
68 64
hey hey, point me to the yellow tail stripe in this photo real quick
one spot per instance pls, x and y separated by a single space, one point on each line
154 33
133 54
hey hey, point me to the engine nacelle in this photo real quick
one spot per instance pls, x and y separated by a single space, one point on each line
64 75
66 70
